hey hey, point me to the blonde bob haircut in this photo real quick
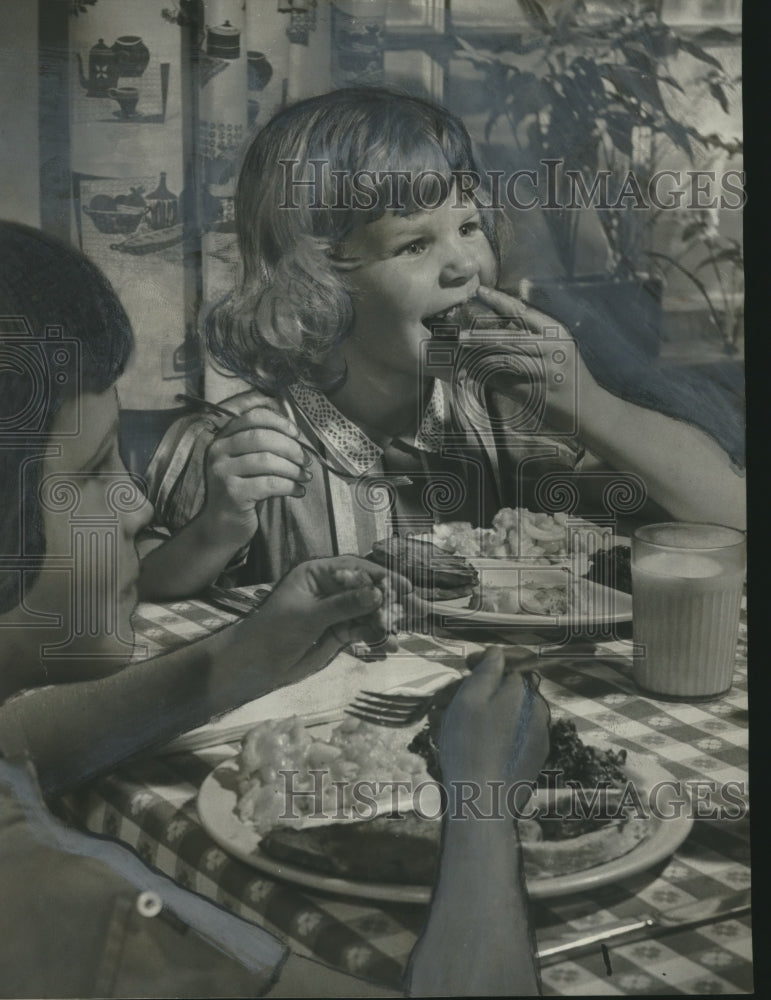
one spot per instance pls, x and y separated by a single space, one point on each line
301 192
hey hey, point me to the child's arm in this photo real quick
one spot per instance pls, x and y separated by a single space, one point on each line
76 730
684 470
254 456
478 939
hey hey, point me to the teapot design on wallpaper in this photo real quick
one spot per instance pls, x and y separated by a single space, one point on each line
128 56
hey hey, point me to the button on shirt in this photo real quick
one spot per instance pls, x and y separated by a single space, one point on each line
82 916
464 463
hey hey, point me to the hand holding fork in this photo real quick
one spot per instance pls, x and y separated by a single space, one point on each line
399 710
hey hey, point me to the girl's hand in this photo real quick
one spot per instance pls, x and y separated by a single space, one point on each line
323 605
541 357
496 726
256 455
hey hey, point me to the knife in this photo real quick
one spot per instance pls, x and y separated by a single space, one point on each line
237 604
228 602
702 911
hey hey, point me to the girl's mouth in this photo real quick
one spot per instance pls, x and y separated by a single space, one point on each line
471 314
457 317
447 317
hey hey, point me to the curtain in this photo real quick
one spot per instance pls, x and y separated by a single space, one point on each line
161 102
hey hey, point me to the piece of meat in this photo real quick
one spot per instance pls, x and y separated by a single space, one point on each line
406 851
425 565
444 593
385 849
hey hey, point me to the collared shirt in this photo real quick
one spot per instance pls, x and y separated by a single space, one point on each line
468 458
82 916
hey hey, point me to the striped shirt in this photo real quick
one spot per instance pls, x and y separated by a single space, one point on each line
466 461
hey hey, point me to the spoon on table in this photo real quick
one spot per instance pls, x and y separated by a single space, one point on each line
207 406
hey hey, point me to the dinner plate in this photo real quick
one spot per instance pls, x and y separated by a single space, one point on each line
594 604
217 810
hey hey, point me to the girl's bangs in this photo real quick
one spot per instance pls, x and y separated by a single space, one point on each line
414 174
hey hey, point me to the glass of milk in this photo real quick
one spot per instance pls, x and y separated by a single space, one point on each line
687 584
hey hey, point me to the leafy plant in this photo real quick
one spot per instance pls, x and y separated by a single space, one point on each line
724 259
597 95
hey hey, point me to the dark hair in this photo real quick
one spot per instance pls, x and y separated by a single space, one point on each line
292 307
49 294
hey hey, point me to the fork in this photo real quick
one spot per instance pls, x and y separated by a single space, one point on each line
399 710
393 710
221 411
396 710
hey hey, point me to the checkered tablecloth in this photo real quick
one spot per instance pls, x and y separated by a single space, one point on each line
150 805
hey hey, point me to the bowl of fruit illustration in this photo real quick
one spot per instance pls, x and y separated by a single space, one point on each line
116 215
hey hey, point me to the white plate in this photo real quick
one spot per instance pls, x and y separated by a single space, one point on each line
217 804
596 604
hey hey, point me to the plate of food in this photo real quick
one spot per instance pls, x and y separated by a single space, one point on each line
506 596
508 592
362 842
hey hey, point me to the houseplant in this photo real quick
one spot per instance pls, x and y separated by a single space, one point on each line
588 89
